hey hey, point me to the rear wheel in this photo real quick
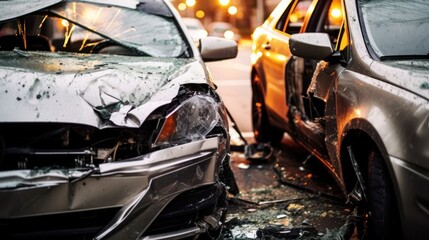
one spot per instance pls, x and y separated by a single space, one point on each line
262 129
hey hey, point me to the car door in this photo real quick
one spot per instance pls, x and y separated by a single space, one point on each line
307 98
276 54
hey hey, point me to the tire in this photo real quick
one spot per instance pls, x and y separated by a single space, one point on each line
383 221
262 130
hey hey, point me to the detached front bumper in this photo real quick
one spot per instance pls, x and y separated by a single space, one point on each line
119 200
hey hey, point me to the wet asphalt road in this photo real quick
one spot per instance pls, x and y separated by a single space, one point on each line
289 195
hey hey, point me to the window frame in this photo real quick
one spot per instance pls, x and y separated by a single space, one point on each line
304 21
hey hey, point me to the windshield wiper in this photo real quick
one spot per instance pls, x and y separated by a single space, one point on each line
121 43
404 57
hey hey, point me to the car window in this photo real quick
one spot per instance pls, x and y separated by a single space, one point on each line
327 17
282 21
296 17
343 39
333 20
91 28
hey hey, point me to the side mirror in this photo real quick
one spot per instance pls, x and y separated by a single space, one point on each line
311 45
216 49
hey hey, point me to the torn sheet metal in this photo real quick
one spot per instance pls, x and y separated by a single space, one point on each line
321 85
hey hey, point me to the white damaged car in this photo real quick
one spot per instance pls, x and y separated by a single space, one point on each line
110 125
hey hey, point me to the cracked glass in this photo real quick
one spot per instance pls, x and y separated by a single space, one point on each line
92 28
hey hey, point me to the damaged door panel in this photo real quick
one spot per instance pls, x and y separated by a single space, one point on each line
304 108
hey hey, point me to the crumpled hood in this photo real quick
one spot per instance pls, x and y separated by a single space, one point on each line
90 89
409 74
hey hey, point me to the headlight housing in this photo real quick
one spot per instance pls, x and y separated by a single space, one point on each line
191 120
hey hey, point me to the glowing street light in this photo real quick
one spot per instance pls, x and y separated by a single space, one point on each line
224 2
336 13
191 3
200 14
232 10
182 7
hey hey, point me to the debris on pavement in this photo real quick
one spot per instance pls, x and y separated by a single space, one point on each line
279 200
303 215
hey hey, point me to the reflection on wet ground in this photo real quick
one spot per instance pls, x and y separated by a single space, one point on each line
289 196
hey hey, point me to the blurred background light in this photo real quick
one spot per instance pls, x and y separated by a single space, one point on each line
224 2
182 7
232 10
200 14
191 3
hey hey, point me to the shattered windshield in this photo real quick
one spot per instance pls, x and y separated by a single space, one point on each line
397 28
85 27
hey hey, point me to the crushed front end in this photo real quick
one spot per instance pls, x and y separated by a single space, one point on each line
166 179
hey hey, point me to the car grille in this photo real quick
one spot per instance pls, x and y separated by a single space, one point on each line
56 145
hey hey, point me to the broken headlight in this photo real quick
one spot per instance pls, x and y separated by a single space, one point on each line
191 120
